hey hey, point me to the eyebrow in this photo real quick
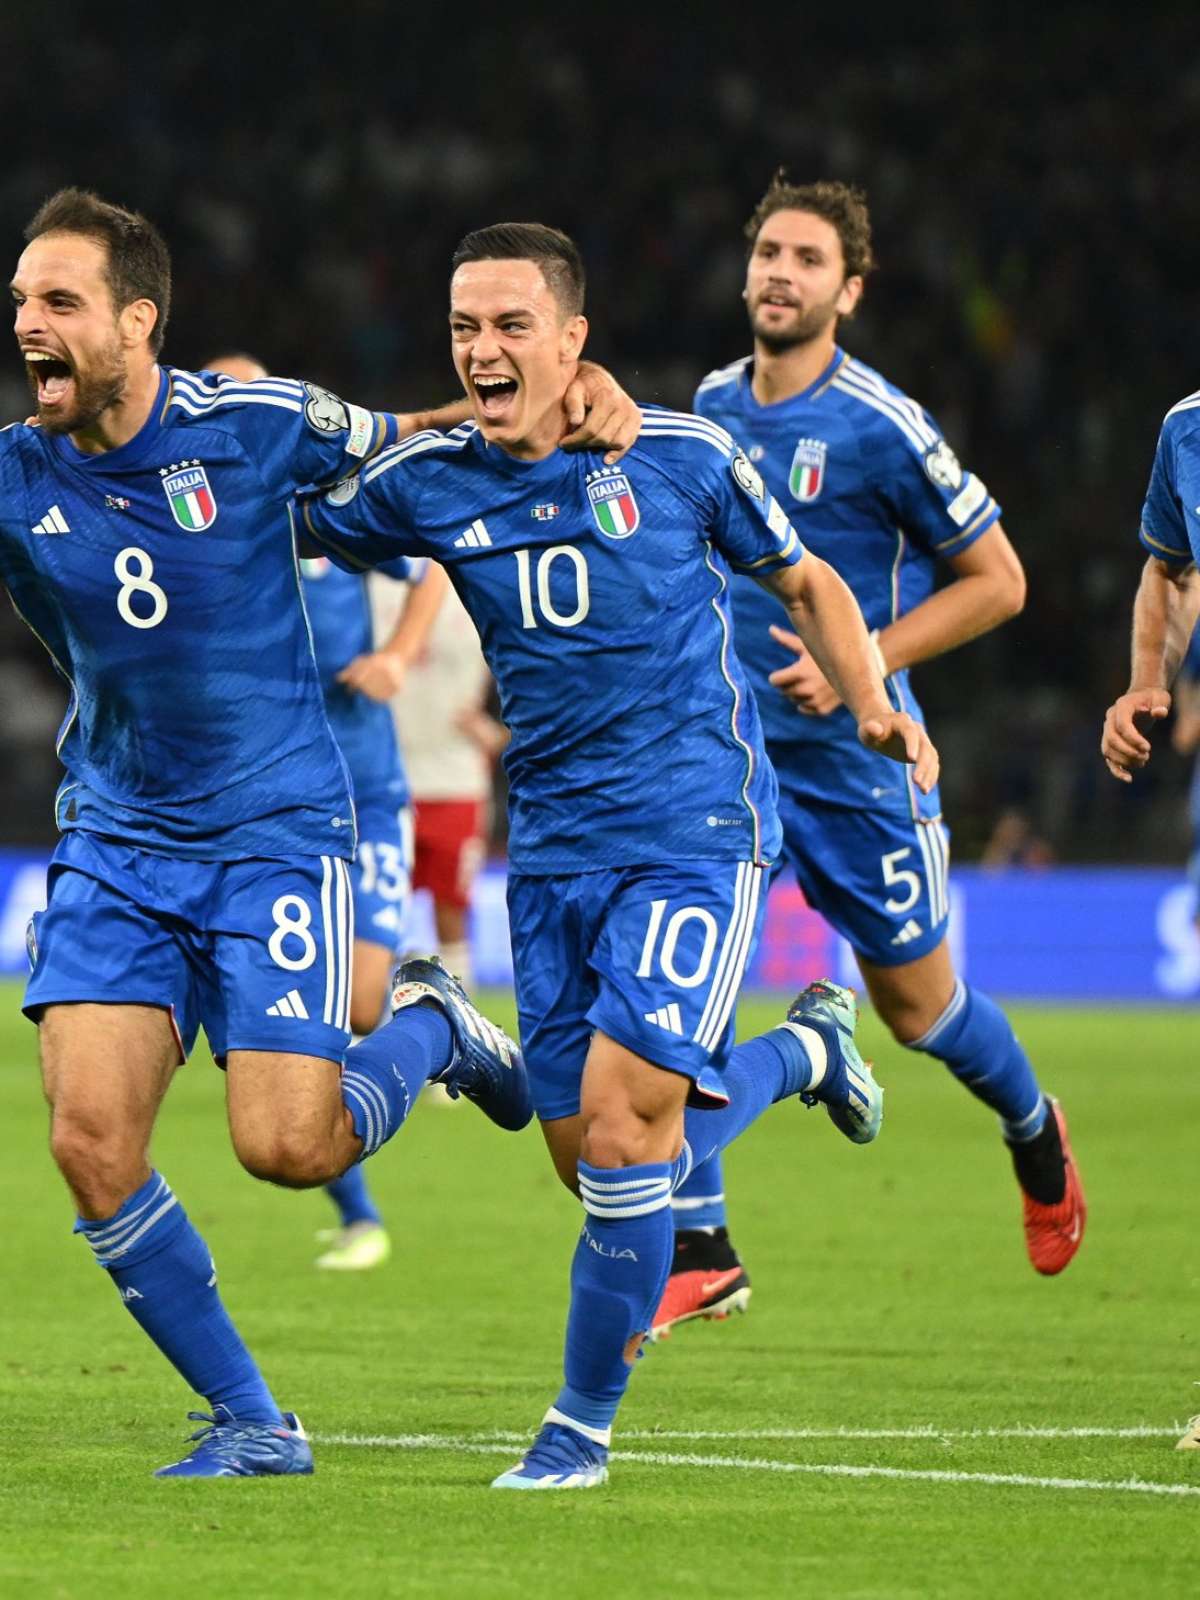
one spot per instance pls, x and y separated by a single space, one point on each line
510 311
61 294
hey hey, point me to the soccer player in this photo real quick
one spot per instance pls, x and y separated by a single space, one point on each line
642 809
206 816
1165 610
872 486
357 681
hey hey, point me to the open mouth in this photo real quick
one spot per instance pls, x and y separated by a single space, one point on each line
496 395
50 376
779 301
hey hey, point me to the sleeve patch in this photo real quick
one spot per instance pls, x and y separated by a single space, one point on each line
748 478
323 411
777 521
967 501
943 467
362 431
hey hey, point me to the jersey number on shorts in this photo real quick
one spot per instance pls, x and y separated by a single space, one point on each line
292 945
894 875
664 942
528 575
383 871
136 580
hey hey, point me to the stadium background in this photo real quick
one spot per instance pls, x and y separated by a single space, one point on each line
1035 223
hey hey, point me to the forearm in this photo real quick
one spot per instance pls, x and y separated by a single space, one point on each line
441 418
827 617
418 614
1164 615
962 611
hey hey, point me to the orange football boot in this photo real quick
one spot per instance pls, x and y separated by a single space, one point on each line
1053 1233
707 1280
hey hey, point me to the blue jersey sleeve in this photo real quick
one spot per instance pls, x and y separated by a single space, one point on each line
299 435
937 502
749 526
1164 526
368 519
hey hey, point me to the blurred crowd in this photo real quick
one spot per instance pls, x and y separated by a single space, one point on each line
1035 223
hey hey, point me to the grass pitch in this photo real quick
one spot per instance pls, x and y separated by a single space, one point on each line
864 1431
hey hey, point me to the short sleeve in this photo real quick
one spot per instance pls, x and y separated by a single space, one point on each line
1163 530
749 527
367 519
299 435
938 503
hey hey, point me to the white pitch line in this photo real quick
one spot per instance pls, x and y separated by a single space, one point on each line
923 1431
1019 1480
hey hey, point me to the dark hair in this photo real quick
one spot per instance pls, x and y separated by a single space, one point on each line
841 205
556 255
139 263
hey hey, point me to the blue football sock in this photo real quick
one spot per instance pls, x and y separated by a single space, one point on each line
352 1198
165 1276
699 1201
384 1074
975 1040
617 1279
761 1071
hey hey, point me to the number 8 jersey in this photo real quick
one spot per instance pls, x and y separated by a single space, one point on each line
601 596
161 576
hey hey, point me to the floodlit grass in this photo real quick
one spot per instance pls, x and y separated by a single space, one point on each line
891 1292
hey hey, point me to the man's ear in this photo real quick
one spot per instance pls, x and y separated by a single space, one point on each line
574 337
137 321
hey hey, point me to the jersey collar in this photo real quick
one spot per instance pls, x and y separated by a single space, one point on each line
819 384
124 454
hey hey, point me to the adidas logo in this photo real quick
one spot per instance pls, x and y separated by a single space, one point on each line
667 1017
911 930
52 522
473 537
130 1293
291 1005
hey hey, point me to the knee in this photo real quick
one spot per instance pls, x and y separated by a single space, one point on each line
100 1165
288 1159
616 1137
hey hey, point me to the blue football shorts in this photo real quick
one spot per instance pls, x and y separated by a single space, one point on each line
381 875
879 878
653 956
257 952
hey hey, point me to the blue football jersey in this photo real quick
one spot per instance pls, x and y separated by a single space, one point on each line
162 578
339 614
872 486
601 596
1170 526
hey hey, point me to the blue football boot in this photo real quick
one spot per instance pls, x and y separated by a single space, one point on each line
559 1458
487 1067
846 1087
227 1448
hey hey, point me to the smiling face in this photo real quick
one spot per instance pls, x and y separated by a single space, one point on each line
76 345
516 350
796 284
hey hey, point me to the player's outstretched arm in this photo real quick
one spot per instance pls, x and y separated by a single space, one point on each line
380 674
1164 614
827 618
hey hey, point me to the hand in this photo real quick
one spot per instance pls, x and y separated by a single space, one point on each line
379 675
600 415
900 738
1123 745
802 680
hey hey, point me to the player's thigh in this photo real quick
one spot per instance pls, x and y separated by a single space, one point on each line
286 1115
631 1110
281 939
372 972
552 923
879 878
105 1070
669 961
911 997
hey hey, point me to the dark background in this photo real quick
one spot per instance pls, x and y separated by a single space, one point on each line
1033 184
